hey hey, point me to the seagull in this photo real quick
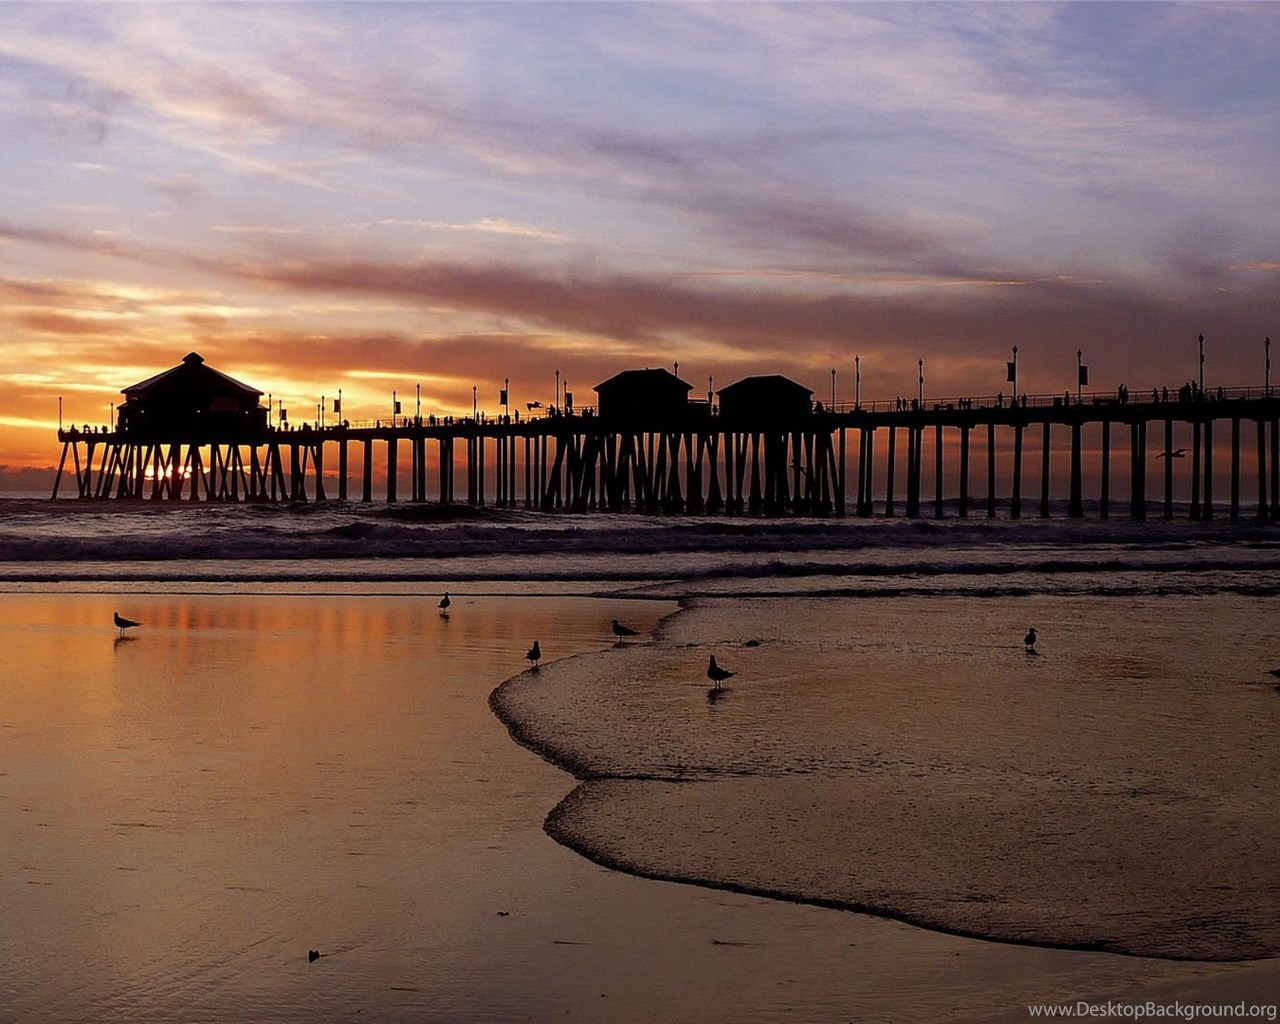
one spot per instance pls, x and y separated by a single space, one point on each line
1030 640
1177 453
444 605
717 674
535 654
621 631
122 623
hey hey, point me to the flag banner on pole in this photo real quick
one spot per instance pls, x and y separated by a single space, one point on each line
1013 371
337 405
284 414
1084 376
568 400
397 410
502 396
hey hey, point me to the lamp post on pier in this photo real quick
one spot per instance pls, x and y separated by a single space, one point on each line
833 389
1265 341
920 400
857 382
1202 364
1012 375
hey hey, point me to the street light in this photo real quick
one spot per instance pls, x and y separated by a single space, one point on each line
921 401
857 382
1266 343
833 388
1012 375
1202 364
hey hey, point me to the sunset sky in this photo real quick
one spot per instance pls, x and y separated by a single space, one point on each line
368 196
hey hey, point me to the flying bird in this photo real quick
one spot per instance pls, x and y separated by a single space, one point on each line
621 631
534 654
1030 640
122 623
444 605
717 674
1177 453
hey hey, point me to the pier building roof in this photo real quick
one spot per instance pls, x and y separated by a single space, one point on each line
192 400
767 395
644 393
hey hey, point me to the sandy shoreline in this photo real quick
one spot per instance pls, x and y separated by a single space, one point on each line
189 811
640 823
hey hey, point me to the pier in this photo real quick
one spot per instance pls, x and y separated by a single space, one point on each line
1203 455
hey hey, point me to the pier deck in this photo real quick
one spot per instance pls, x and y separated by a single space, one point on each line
1200 450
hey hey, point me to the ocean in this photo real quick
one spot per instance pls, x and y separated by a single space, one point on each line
892 811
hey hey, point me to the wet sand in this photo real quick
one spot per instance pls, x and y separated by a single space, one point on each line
187 812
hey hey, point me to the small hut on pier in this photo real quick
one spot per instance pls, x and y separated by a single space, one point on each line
770 397
650 396
192 401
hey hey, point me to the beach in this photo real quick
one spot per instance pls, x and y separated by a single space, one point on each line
304 755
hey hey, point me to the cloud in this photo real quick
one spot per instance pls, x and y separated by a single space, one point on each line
485 225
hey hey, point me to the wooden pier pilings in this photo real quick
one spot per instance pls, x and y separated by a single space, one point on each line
705 464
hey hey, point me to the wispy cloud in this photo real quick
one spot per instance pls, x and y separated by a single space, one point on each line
485 225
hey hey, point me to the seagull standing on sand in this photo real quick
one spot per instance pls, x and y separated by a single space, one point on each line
535 654
444 605
717 674
621 631
122 623
1030 640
